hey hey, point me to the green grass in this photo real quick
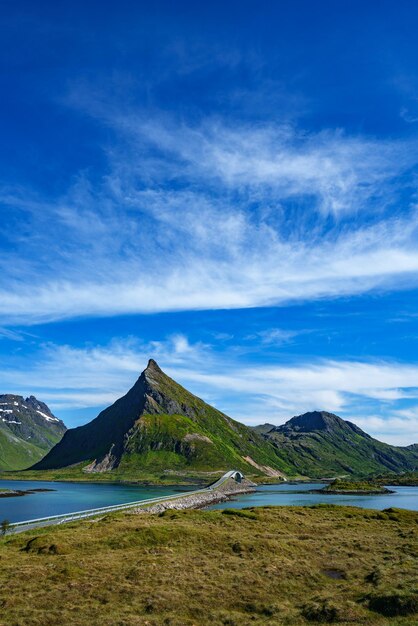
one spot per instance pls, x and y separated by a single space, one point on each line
15 453
338 449
406 478
123 474
269 480
157 426
354 486
272 565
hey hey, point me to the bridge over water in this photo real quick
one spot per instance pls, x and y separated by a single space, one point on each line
52 520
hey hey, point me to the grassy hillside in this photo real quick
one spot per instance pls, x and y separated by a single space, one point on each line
157 427
180 443
200 438
406 479
275 565
320 444
15 453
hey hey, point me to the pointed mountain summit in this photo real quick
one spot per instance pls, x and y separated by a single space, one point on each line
28 430
158 425
314 420
321 444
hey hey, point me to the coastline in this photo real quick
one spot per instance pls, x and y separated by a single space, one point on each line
223 493
108 478
16 493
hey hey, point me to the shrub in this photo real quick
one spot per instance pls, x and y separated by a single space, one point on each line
322 611
374 577
240 513
330 611
41 545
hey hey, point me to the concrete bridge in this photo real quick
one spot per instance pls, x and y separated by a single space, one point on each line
52 520
234 474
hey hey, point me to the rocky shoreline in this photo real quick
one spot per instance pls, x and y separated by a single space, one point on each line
223 493
16 493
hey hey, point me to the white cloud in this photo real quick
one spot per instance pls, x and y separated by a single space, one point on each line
407 116
94 376
338 172
397 428
12 335
192 218
275 336
105 264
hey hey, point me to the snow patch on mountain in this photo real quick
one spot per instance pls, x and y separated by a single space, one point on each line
47 417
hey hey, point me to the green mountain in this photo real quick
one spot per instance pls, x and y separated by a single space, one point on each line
158 426
28 430
320 444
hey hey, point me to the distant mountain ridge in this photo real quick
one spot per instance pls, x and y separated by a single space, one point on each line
157 426
28 430
319 443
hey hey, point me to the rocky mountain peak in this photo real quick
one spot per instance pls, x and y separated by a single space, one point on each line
14 409
153 366
28 429
265 428
152 372
158 423
314 420
39 407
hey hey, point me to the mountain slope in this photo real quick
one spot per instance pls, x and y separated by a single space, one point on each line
158 425
28 430
319 443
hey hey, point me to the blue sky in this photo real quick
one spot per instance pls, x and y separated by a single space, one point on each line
230 188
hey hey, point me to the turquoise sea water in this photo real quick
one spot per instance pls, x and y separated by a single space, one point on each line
70 497
297 495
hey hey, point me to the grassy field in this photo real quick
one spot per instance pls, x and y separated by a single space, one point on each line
350 486
122 475
273 565
407 479
76 474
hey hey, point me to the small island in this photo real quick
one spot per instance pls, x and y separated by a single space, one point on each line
14 493
356 488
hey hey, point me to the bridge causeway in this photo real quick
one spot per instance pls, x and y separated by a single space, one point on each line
52 520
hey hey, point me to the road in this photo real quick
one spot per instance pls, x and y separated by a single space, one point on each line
54 520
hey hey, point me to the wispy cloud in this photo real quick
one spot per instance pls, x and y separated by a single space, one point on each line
207 180
211 216
95 376
407 117
7 333
275 336
337 172
171 252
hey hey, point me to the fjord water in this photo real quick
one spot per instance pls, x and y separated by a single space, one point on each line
287 494
71 497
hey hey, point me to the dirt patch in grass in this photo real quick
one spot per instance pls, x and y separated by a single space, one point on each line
191 568
335 574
